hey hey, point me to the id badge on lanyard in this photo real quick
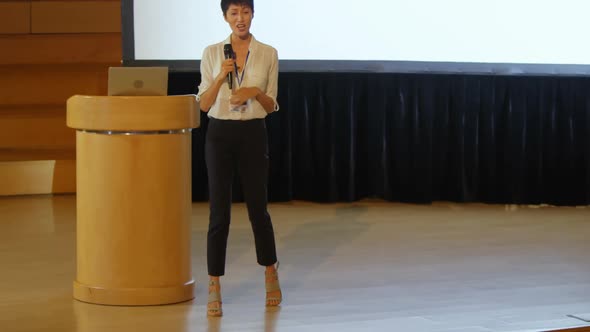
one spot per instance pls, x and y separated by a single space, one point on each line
240 79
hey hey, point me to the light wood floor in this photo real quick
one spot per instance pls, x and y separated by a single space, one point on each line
366 266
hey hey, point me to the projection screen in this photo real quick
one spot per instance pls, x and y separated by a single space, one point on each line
544 37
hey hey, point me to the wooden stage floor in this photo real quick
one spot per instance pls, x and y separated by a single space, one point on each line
364 266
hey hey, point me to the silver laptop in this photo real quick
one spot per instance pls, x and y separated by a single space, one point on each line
138 81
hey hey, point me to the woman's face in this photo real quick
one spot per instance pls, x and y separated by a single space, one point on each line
239 18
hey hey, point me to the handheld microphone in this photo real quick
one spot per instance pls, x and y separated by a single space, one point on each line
228 52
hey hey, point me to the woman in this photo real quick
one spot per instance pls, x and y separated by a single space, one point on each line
236 138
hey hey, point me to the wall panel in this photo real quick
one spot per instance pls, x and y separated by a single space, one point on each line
49 51
75 16
38 127
61 48
15 17
49 84
37 177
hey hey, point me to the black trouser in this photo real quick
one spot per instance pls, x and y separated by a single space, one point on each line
241 145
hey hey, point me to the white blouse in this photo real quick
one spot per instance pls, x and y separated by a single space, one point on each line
261 70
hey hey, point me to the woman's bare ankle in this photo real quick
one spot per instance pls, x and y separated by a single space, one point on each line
272 268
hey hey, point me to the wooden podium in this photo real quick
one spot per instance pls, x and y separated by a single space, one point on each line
133 173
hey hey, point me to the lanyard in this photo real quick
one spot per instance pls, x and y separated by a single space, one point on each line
238 76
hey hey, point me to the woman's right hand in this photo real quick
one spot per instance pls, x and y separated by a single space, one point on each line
227 66
210 95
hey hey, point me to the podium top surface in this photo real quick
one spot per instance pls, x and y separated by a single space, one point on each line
133 113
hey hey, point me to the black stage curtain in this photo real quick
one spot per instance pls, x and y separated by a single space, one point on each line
418 138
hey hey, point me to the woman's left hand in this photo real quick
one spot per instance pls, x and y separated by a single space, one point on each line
241 95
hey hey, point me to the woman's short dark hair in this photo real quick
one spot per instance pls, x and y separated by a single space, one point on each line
226 3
